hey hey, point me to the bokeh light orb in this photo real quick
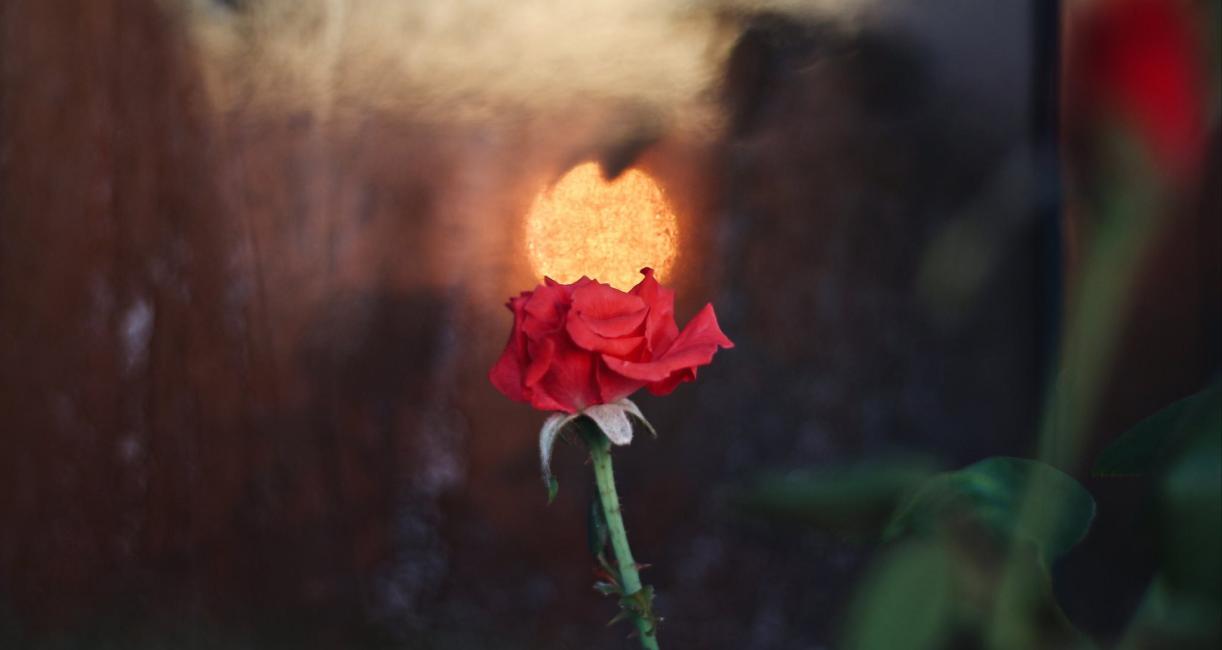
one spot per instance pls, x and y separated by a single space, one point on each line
607 230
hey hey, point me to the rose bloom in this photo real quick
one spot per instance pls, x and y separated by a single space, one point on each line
1143 61
587 343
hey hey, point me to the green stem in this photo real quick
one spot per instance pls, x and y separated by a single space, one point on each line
630 580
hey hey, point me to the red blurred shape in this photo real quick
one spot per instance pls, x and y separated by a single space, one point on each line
1143 62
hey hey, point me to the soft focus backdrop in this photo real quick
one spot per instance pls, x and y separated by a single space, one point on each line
253 256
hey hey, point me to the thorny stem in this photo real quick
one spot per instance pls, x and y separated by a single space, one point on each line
630 580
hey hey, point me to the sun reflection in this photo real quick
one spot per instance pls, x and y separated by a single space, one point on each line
584 225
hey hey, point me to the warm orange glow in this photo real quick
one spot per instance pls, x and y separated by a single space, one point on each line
584 225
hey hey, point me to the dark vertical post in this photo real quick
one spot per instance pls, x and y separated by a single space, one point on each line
1045 131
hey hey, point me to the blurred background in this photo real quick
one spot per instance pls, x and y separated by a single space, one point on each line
254 255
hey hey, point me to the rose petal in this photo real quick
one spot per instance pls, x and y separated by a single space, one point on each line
506 375
660 327
567 288
653 371
607 311
569 381
647 371
604 319
540 354
695 346
613 386
587 339
702 329
666 386
543 401
543 311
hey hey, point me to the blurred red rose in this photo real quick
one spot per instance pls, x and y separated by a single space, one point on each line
586 343
1142 61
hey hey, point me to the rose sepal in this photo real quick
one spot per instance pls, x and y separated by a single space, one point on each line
614 420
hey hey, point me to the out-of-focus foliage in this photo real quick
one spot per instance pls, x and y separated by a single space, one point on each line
1190 498
964 566
1181 446
990 493
969 554
853 500
1158 438
966 525
949 537
906 601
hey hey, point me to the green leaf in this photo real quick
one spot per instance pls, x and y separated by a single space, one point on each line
1170 618
1190 512
1155 440
852 500
990 493
1183 605
904 602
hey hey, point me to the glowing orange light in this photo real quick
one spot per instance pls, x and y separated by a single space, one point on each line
584 225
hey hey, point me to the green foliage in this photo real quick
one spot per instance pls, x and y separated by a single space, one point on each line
950 534
1181 446
990 493
1190 504
964 563
1155 440
854 500
1171 618
906 601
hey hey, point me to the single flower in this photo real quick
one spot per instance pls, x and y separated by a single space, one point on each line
585 344
581 349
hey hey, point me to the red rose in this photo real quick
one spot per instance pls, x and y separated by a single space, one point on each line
587 343
1142 60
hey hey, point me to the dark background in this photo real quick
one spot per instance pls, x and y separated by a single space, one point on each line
242 387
